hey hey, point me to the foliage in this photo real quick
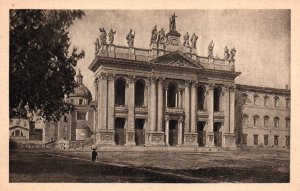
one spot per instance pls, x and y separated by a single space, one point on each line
41 65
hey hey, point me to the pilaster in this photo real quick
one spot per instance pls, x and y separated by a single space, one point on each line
111 102
210 108
187 107
160 105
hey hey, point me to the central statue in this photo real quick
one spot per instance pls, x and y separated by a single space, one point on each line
173 22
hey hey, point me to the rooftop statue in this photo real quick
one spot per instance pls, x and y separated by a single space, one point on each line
130 38
194 40
186 39
211 49
232 52
111 36
162 36
154 35
102 36
97 46
173 22
226 53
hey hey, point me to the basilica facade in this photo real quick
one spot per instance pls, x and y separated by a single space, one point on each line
166 95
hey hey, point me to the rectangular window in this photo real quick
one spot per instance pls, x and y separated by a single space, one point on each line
276 122
81 115
266 139
80 101
287 123
287 141
17 132
244 139
255 139
276 140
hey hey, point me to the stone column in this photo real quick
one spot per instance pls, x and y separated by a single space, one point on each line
155 137
226 108
176 99
130 133
111 102
166 94
232 109
105 135
180 98
153 105
103 102
229 135
210 108
167 119
160 105
187 107
193 107
130 97
180 120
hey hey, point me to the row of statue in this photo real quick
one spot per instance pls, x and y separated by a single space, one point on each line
111 37
160 37
227 55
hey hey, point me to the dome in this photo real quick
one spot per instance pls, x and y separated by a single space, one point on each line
81 90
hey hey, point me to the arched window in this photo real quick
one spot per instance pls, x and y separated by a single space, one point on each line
245 119
255 99
217 99
276 121
266 101
139 92
172 91
276 101
255 120
266 121
200 97
244 97
120 87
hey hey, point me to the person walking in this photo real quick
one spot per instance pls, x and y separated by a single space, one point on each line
94 155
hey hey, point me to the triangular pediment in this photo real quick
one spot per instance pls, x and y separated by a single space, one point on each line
176 59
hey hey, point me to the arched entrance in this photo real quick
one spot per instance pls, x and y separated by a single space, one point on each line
171 97
120 134
139 93
217 99
201 133
120 87
173 132
217 134
200 97
139 132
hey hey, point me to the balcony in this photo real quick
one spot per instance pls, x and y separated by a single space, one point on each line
219 115
121 108
141 109
174 110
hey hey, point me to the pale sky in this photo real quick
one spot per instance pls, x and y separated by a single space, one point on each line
261 38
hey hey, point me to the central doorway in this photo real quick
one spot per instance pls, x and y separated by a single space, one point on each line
217 134
173 132
201 133
139 132
120 133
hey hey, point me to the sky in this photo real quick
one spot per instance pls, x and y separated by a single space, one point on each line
261 38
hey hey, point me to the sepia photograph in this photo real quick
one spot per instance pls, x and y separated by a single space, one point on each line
161 95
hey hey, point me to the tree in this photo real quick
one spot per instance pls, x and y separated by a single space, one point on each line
41 62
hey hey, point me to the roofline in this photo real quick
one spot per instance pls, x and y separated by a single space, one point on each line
263 89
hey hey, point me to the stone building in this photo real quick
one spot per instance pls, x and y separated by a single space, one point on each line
263 116
75 129
166 95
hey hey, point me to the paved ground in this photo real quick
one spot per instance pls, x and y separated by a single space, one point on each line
256 165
